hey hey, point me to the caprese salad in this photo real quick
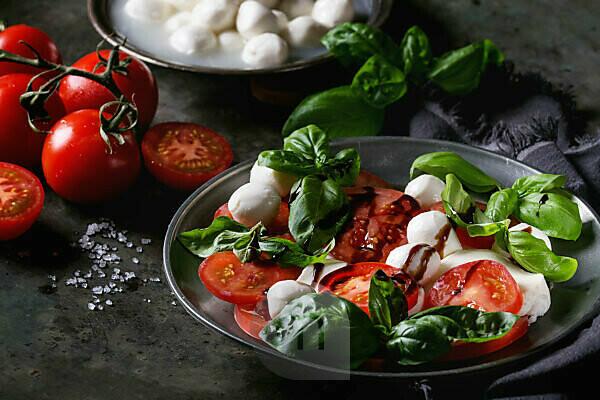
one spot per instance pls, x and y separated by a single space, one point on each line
317 254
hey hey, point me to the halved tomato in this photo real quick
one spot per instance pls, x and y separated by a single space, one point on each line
378 224
183 155
485 285
466 240
366 178
278 226
353 282
227 278
21 200
249 320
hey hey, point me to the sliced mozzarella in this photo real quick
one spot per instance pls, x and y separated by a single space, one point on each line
434 229
254 19
535 291
421 261
191 39
280 181
177 21
312 275
418 307
231 41
216 15
265 50
535 232
426 189
148 10
253 203
282 292
333 12
296 8
304 32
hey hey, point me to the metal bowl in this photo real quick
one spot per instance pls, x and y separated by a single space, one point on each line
573 303
99 15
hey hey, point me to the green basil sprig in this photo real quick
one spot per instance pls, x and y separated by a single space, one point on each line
441 164
379 82
224 234
501 204
323 328
540 183
533 255
555 214
387 304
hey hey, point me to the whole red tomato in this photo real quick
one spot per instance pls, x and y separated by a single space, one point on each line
77 164
19 144
10 39
138 85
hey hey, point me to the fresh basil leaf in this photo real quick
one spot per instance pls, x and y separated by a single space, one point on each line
459 72
288 162
221 235
318 211
289 254
379 82
487 228
245 247
309 142
555 214
416 54
533 255
414 342
471 325
455 197
354 43
538 184
387 304
323 328
441 164
339 111
501 204
344 168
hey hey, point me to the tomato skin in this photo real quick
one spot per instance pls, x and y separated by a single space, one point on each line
139 86
14 180
77 165
366 178
19 144
208 145
484 285
278 227
9 41
478 242
224 275
248 320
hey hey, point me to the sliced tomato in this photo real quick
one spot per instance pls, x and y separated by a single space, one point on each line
21 200
378 224
478 242
485 285
249 320
227 278
278 226
183 155
353 282
463 351
366 178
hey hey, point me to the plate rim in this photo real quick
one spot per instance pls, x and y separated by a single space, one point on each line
462 370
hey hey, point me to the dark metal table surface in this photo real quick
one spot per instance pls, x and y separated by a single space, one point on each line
53 347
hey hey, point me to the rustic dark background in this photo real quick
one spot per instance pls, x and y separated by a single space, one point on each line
52 347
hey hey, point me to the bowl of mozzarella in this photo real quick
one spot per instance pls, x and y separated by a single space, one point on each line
229 36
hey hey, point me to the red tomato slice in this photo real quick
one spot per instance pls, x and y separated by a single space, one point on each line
365 178
378 224
478 242
11 40
485 285
353 282
278 226
228 279
21 200
184 156
463 351
248 320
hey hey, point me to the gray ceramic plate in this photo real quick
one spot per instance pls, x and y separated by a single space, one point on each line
375 12
573 302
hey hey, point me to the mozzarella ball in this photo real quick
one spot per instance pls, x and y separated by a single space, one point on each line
280 181
535 232
177 21
418 307
304 32
312 275
183 5
231 41
282 20
419 260
148 10
266 50
425 189
191 39
433 228
253 203
269 3
296 8
254 19
535 291
216 15
283 292
333 12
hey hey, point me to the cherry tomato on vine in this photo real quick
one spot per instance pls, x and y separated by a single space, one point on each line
138 85
183 155
19 144
10 40
77 164
21 200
